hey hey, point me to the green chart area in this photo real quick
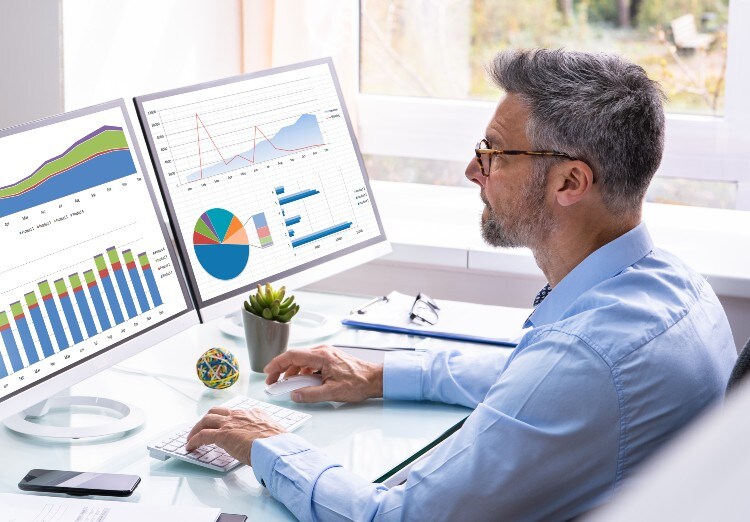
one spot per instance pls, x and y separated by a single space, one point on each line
97 158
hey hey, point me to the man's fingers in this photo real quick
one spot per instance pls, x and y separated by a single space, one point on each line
292 370
312 394
204 436
210 420
299 358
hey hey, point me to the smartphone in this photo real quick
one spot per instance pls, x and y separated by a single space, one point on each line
79 482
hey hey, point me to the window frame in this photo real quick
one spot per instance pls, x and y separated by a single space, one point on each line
696 147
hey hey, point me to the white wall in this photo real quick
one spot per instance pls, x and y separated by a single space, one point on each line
127 48
30 63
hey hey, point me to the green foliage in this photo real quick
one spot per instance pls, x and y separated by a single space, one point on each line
602 11
270 304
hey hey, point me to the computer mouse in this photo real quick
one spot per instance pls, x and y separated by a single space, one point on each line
282 389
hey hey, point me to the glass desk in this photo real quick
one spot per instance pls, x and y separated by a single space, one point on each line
374 439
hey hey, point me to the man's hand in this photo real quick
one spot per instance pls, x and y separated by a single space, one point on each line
233 430
345 378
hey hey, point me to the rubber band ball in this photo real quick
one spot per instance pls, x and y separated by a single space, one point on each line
218 368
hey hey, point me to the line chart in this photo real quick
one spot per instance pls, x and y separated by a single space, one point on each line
301 135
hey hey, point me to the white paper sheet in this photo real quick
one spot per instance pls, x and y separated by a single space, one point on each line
38 508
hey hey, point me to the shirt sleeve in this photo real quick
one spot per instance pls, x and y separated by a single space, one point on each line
451 377
518 456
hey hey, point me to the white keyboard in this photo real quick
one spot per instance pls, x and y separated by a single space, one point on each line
172 445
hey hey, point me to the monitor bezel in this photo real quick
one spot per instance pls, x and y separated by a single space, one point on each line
307 273
40 390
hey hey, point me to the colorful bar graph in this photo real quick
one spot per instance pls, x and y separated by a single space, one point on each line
264 233
70 315
127 297
38 321
83 304
53 315
322 233
297 196
279 191
135 279
150 279
96 296
23 330
10 343
292 221
109 289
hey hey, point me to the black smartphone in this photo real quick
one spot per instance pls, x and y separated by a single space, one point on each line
79 482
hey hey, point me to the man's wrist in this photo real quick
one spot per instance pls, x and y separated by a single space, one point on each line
376 381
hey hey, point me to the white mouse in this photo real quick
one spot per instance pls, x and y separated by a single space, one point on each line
282 389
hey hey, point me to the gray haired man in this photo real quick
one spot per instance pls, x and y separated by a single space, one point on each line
627 344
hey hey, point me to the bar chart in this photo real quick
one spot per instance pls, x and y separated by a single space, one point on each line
289 222
38 330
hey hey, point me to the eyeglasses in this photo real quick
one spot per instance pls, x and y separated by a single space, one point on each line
483 149
424 310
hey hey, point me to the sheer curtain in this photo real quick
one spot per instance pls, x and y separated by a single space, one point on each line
280 32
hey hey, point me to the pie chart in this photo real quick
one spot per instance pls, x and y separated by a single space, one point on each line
221 244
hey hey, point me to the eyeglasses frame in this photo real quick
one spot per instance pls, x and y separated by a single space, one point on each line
479 151
430 304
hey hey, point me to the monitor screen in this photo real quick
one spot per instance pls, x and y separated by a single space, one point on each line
88 275
263 181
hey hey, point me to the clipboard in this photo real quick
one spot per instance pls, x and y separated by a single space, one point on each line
458 321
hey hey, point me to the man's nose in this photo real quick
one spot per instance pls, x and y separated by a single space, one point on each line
474 173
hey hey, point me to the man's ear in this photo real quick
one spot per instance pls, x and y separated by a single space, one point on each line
573 180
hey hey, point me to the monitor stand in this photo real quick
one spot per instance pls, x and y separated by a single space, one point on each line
130 418
307 326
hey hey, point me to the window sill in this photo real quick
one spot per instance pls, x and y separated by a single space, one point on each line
438 227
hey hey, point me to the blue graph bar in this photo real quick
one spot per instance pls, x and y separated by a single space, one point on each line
297 196
114 305
109 289
291 233
292 221
135 279
24 332
96 296
53 315
3 371
10 343
322 233
279 190
83 304
70 315
127 297
38 320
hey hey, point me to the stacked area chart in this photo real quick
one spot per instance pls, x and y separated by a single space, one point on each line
221 243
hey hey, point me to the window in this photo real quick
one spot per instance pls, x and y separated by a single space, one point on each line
426 58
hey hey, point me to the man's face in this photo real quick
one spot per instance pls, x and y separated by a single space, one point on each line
514 193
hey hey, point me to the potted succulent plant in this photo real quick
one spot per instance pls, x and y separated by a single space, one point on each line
266 317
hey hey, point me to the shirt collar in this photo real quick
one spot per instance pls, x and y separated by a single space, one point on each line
606 262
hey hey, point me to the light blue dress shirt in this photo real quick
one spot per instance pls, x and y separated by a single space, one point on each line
626 350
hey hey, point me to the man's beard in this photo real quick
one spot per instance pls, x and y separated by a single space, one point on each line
525 221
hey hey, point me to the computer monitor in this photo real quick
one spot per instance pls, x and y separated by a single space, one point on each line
263 181
88 275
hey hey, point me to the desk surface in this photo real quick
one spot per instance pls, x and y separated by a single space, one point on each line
373 439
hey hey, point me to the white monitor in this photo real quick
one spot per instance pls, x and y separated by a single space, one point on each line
88 275
263 181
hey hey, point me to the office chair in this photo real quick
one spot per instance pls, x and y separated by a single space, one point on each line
741 367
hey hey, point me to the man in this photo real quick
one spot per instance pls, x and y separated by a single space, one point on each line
627 344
